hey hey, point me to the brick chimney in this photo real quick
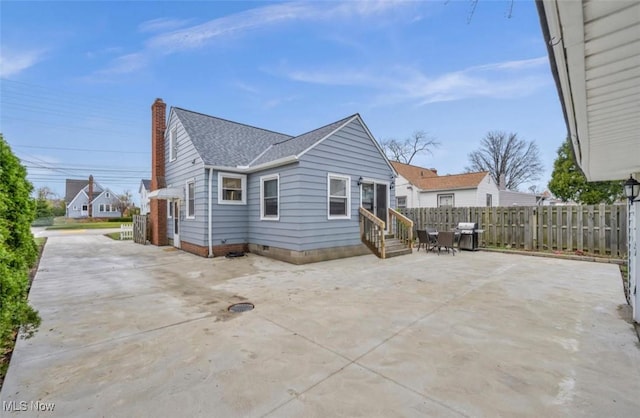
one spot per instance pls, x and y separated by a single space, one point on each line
502 182
158 208
90 204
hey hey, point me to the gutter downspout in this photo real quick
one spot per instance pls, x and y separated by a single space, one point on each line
210 207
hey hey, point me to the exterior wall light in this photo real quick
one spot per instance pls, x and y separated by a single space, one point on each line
631 189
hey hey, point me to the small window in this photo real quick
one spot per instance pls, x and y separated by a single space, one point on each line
101 209
85 208
173 144
170 209
232 189
401 202
107 194
269 197
338 196
191 199
445 200
489 200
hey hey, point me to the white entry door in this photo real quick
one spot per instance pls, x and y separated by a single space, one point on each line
176 223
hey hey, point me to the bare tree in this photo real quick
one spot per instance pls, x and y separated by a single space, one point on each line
123 202
506 154
404 151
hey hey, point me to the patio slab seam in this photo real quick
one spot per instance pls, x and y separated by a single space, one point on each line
122 337
386 340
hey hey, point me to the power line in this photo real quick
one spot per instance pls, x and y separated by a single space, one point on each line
81 149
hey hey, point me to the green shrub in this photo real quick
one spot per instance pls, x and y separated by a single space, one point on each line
18 250
120 220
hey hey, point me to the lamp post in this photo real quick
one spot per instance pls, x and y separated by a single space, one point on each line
631 189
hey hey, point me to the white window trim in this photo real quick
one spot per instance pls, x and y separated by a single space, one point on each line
453 199
101 208
173 144
398 202
169 209
348 191
264 217
243 186
186 194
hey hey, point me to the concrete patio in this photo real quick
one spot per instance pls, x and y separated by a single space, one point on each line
131 330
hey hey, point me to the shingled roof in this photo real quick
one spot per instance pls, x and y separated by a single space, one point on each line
452 181
296 145
221 142
413 173
224 143
428 179
73 187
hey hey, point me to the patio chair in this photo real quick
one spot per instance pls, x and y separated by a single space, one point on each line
432 233
446 240
423 239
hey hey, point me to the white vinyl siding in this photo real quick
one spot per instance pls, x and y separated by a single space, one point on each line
338 196
270 197
232 189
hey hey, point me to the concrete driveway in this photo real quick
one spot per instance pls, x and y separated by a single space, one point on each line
132 330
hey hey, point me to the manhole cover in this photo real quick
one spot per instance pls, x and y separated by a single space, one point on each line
241 307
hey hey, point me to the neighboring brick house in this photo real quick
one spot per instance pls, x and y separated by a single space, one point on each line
88 199
219 186
419 187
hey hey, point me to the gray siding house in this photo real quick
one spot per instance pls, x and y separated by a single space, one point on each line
220 186
102 204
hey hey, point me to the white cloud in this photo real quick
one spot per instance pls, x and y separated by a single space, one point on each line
14 62
402 84
161 24
125 64
171 40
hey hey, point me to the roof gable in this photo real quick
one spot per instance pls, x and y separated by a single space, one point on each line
413 173
296 146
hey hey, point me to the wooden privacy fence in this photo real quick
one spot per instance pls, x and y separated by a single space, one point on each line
140 229
596 229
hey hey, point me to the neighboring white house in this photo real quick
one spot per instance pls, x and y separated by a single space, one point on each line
88 199
513 198
145 188
593 53
419 187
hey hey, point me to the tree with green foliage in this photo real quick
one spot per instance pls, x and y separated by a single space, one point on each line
569 183
18 250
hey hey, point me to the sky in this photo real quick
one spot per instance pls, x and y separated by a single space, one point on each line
77 78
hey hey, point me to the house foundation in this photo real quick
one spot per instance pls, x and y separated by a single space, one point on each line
311 256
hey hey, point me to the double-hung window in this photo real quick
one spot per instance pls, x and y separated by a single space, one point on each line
270 197
338 196
445 200
101 209
401 202
191 199
232 189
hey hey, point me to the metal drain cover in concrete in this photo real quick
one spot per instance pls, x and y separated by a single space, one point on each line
241 307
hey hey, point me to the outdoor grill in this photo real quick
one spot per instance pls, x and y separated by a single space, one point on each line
468 235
